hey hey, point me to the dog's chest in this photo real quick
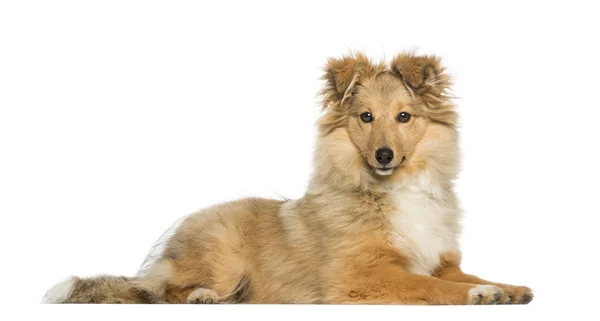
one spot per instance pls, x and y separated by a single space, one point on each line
422 228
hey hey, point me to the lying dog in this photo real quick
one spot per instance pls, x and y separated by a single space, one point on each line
379 223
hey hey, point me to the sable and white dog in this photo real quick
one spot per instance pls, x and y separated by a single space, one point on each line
378 224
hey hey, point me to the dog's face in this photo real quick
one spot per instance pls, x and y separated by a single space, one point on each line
387 112
382 124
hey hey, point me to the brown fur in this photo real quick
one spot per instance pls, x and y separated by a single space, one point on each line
338 243
111 289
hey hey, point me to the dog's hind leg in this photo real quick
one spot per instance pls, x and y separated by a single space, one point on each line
192 295
234 290
203 296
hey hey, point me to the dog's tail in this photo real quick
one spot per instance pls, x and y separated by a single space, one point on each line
103 289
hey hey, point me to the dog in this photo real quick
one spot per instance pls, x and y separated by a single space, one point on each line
378 224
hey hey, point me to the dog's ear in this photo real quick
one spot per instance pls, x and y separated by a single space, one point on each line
423 75
342 75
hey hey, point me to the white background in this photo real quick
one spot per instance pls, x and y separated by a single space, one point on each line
118 117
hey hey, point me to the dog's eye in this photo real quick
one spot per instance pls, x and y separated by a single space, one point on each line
366 117
403 117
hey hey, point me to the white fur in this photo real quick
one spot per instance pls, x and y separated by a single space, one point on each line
425 225
158 249
202 295
59 292
484 290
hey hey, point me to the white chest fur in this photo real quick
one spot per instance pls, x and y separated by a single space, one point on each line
425 225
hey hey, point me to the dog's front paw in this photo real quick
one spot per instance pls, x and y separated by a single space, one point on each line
516 294
485 294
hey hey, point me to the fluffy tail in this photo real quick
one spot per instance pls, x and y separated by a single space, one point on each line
102 289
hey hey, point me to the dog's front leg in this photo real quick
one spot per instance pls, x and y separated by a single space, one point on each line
390 284
450 270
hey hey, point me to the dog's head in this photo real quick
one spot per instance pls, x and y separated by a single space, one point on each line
392 114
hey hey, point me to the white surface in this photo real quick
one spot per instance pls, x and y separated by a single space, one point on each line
119 117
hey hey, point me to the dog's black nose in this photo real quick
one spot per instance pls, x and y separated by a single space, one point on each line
384 155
